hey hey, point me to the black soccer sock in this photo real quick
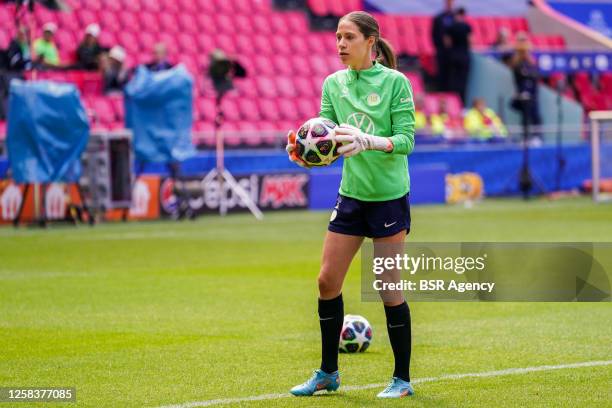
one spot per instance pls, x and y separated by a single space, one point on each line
331 317
400 336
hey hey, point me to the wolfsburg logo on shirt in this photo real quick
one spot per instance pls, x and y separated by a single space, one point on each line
373 99
361 121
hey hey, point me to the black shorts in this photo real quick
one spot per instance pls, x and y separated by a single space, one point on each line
373 219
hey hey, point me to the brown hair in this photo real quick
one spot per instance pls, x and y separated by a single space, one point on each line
368 26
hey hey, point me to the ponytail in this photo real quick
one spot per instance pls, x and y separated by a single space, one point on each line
385 54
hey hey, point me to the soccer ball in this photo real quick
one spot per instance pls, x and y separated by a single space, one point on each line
315 142
356 334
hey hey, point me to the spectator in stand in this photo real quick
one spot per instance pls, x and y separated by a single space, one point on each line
160 58
45 50
420 117
89 51
17 60
502 45
440 121
457 40
482 122
526 78
441 23
114 73
18 53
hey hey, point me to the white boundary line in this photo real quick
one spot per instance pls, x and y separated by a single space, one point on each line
509 371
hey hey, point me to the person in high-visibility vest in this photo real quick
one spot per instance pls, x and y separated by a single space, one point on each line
481 122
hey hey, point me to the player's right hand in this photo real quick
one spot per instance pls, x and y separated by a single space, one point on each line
291 149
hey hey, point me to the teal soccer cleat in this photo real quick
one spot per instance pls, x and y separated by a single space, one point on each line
319 381
397 388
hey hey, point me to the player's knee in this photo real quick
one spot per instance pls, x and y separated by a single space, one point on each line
327 285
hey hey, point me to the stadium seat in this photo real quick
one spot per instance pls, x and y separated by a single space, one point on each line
287 109
249 109
2 129
266 87
269 109
318 7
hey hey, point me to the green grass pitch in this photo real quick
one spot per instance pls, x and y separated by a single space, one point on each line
159 313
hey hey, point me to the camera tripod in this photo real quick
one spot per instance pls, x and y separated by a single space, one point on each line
221 175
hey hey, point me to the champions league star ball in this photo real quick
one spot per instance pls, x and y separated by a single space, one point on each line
315 142
356 334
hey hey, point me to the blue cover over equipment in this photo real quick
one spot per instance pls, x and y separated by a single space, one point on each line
158 109
47 131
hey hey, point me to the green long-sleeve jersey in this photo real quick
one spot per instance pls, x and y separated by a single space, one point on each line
379 101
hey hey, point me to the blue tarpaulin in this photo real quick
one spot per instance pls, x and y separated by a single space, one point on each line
47 131
158 109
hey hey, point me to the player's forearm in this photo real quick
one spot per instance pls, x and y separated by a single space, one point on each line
403 143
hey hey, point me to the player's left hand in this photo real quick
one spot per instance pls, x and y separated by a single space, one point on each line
354 141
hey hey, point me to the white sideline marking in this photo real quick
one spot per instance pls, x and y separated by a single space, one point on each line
509 371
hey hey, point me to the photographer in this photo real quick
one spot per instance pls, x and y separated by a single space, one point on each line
222 70
526 77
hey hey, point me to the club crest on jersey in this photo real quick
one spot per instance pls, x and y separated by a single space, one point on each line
362 121
373 99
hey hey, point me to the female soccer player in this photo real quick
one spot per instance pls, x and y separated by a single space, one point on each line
374 103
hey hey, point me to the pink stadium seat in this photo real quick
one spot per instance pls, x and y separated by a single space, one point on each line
269 109
266 87
431 104
288 109
187 6
307 107
108 21
168 24
297 21
301 66
249 109
260 25
282 65
230 110
319 65
285 87
2 129
416 81
231 134
263 65
205 42
280 45
186 43
279 24
245 23
103 110
206 109
453 103
5 39
303 87
246 87
206 24
226 43
318 7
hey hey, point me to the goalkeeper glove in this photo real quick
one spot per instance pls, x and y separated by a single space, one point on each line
291 149
354 141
